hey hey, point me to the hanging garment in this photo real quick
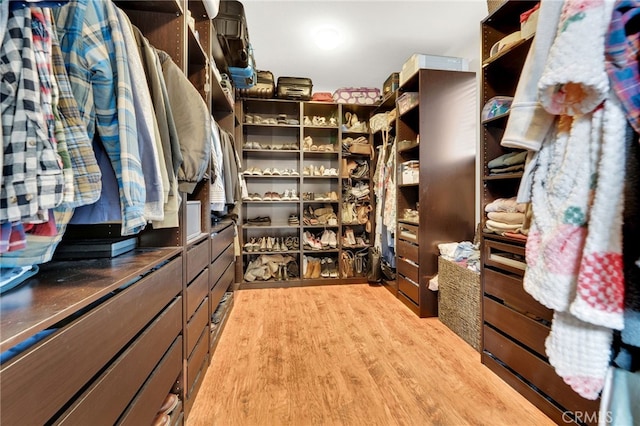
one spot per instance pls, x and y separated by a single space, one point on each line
166 128
92 42
528 122
217 197
86 173
574 247
622 49
191 116
154 168
32 173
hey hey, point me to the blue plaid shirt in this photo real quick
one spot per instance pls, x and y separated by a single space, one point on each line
93 46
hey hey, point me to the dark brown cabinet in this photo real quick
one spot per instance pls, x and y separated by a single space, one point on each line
103 341
435 161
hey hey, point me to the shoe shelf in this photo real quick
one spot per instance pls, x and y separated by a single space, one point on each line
272 176
317 161
270 151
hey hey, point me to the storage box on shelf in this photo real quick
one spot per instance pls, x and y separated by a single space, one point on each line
514 325
439 206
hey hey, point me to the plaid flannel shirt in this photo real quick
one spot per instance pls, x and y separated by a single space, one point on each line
86 173
32 175
93 46
622 47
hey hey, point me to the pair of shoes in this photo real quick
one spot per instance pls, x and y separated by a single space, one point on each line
252 171
309 240
293 220
329 268
169 404
327 147
307 143
311 267
269 171
252 245
329 239
290 194
259 221
330 172
253 196
349 238
271 196
292 243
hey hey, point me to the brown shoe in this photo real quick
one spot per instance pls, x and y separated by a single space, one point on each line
161 419
170 403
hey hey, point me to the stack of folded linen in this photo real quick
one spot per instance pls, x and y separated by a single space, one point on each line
510 162
505 216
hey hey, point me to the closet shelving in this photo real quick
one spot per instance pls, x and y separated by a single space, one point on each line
355 124
515 326
387 105
152 307
436 136
307 137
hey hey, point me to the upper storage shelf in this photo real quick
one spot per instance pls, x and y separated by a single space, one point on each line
166 6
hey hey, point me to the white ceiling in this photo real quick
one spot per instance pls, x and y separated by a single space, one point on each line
378 37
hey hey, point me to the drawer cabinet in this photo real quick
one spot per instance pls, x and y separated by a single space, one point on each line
197 259
113 390
408 251
117 320
409 288
197 291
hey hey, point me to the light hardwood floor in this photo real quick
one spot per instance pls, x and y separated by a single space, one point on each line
347 355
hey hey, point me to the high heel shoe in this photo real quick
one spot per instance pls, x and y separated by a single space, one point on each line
283 245
263 243
269 243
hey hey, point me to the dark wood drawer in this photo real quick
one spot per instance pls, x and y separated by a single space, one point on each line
221 286
116 321
520 327
408 232
408 251
220 241
149 400
110 394
408 270
194 328
508 257
196 361
196 291
509 288
220 264
197 259
536 371
410 289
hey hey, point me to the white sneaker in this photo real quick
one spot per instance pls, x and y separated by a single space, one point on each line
293 195
324 240
286 195
333 240
267 171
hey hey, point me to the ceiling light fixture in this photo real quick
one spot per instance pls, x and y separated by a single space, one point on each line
327 38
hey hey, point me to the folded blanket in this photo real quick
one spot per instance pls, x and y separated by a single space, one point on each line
508 159
508 169
508 218
505 205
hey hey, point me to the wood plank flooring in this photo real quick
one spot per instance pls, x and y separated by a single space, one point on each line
347 355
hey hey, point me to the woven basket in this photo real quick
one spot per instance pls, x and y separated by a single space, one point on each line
459 301
493 5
